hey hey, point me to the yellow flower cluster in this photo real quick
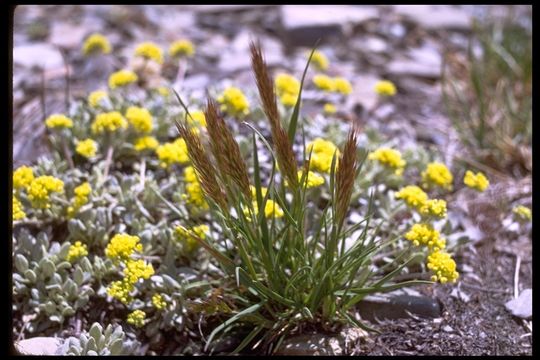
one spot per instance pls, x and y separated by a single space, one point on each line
271 209
140 119
434 207
385 88
287 88
22 177
96 43
322 152
312 179
108 122
122 78
146 142
163 91
197 118
95 97
121 290
136 318
437 174
337 84
254 191
172 153
76 251
81 198
413 196
181 48
137 269
476 181
194 194
41 187
329 109
18 209
158 301
390 158
524 213
122 246
185 236
426 235
151 51
86 148
58 121
444 267
234 102
320 60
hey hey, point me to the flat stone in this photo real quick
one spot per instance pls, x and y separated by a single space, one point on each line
37 55
363 97
309 344
38 346
522 306
304 25
436 17
398 306
67 36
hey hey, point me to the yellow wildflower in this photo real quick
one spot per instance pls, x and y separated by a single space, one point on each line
121 290
186 236
149 50
140 118
444 267
342 86
524 213
426 235
271 208
122 246
322 152
312 179
254 191
287 88
181 48
476 181
110 122
17 209
163 91
329 109
76 251
96 43
86 148
58 121
146 142
434 207
319 60
96 97
22 177
137 269
81 198
172 153
122 78
41 187
195 196
197 118
324 82
413 196
385 88
234 102
158 301
390 158
437 174
136 318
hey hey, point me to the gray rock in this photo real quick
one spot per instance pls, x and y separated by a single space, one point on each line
303 25
67 36
363 98
37 55
436 17
398 305
522 306
38 346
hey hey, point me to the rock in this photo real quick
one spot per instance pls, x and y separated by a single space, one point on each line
447 328
304 25
38 55
67 36
436 17
38 346
397 306
315 344
522 306
363 97
237 56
